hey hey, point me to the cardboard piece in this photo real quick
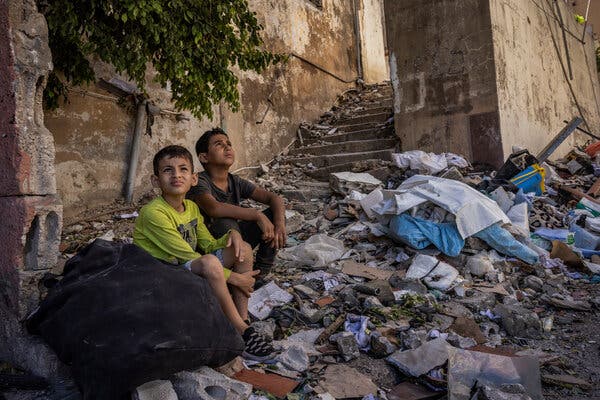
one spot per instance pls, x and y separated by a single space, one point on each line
353 268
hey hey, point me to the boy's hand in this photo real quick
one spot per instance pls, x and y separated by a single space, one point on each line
280 237
235 240
266 226
244 281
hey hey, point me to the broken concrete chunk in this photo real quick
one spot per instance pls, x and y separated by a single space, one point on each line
346 344
566 381
344 182
479 265
155 390
342 382
423 359
294 358
467 368
467 327
293 221
207 383
381 346
519 321
306 291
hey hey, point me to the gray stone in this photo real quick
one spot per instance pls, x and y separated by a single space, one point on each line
411 286
494 393
421 360
489 328
479 301
346 344
372 302
460 341
155 390
411 339
533 282
519 321
306 291
381 346
208 384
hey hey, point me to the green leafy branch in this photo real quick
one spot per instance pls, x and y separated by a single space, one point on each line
192 44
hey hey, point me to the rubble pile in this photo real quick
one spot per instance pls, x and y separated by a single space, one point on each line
421 278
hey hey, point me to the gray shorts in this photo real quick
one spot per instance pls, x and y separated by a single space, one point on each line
217 253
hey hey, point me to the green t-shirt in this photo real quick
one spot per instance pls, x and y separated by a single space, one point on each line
174 236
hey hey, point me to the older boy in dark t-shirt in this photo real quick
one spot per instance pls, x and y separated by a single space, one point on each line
219 193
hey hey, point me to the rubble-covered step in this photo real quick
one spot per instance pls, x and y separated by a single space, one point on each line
387 103
322 174
362 118
353 127
346 147
386 132
323 161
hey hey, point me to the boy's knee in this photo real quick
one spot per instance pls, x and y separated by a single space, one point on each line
209 267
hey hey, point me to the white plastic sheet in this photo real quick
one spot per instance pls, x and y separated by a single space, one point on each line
473 210
428 163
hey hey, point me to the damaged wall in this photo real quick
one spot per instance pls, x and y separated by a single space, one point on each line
93 133
479 76
535 90
442 71
30 210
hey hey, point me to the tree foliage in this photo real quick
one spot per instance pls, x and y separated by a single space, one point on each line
192 44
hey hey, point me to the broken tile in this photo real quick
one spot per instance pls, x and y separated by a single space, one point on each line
422 359
277 385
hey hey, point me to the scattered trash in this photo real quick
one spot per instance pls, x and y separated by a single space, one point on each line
353 384
263 300
318 251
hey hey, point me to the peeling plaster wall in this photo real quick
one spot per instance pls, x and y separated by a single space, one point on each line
93 135
375 65
535 92
442 71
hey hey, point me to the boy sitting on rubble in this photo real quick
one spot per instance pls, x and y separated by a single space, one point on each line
219 193
172 230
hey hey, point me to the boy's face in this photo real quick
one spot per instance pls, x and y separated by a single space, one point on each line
175 176
219 152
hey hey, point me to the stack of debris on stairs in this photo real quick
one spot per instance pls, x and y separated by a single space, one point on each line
356 134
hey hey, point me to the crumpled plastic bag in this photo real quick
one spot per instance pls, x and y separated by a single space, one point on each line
435 274
502 241
357 324
420 233
318 250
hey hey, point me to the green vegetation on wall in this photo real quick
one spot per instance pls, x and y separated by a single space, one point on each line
192 44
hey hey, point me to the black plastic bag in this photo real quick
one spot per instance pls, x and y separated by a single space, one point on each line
121 318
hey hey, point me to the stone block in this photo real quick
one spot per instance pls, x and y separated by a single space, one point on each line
29 242
207 383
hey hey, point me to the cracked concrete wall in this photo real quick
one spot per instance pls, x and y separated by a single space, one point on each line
479 76
93 134
442 72
535 90
29 206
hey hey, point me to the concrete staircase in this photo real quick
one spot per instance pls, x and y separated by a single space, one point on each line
357 132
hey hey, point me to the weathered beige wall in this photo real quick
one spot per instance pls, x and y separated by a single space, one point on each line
93 135
442 71
375 64
535 92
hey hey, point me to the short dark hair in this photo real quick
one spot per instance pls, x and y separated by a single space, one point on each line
202 143
170 152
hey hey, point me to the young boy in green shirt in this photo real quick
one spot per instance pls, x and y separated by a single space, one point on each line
172 230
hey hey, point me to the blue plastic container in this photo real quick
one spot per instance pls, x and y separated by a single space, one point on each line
531 179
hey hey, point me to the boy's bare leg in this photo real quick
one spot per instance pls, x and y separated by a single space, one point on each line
210 268
239 297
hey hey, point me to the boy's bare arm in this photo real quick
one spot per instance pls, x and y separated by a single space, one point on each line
275 202
216 209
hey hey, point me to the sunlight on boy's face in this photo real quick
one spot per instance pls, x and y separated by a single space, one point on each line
175 176
220 151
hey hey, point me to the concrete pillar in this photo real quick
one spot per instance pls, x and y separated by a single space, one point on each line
30 211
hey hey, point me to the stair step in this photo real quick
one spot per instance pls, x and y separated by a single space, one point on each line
322 174
353 146
353 127
329 160
363 118
367 134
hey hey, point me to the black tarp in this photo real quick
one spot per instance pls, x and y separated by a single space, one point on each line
121 318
